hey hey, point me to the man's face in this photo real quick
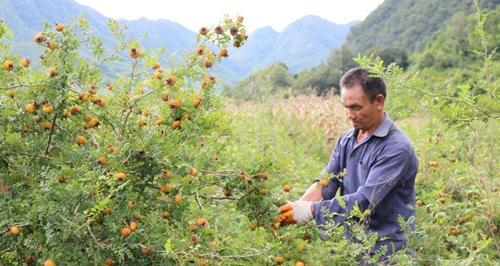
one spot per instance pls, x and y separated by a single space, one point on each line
362 113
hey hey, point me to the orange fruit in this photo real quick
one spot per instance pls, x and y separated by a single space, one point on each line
25 62
8 65
49 263
134 53
59 27
201 221
120 176
81 140
133 226
14 230
125 232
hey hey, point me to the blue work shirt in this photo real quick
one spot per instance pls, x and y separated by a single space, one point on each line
379 174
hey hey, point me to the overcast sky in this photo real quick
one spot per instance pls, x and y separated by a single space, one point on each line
194 14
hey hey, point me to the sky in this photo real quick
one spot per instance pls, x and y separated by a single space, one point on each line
194 14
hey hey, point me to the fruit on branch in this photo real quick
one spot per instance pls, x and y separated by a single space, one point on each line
81 140
31 108
25 62
8 65
134 53
120 176
59 27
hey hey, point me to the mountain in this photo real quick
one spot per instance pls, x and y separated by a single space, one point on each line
301 45
26 17
408 24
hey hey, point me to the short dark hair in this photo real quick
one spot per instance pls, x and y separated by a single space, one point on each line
372 85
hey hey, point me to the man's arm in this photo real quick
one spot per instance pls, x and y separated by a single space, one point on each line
384 175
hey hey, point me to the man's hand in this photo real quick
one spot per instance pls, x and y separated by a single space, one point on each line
296 212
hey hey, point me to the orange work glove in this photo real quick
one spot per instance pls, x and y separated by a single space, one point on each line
296 212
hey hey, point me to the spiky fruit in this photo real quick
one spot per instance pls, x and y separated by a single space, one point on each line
109 86
93 90
203 31
101 102
109 262
31 108
165 215
120 176
286 188
420 203
84 96
175 104
165 97
158 74
194 239
166 174
8 65
160 121
47 125
223 53
147 251
299 263
47 108
59 27
219 30
39 38
252 226
193 171
178 199
133 226
155 65
91 122
52 45
75 109
166 188
61 179
201 222
454 230
107 211
240 19
199 51
134 53
228 192
49 263
125 231
196 102
171 80
176 124
102 160
131 204
25 62
280 260
140 122
14 230
207 63
53 72
324 182
81 140
233 31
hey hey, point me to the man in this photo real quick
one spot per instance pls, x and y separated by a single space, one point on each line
377 162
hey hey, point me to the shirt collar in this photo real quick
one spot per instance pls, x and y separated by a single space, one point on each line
381 131
384 128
